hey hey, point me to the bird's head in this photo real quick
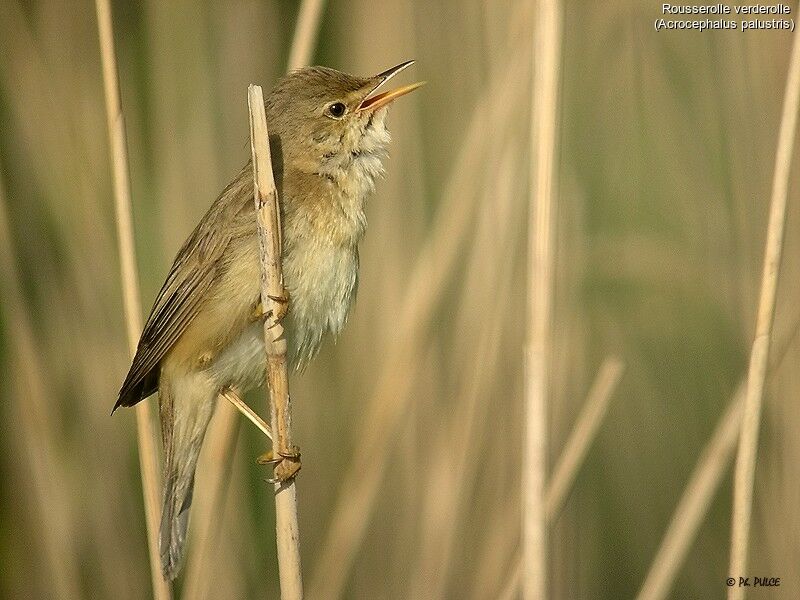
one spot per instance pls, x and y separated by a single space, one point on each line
327 119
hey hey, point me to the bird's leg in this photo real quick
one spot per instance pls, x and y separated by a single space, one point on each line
282 307
287 464
235 399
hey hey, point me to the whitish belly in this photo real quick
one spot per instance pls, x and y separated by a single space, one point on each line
321 283
242 364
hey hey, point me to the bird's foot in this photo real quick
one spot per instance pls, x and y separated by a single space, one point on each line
282 306
286 465
277 314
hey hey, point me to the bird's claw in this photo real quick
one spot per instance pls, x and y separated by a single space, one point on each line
286 465
281 307
268 458
277 314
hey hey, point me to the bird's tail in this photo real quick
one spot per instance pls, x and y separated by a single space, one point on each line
186 404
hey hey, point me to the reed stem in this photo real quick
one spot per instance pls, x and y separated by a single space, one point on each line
305 33
148 457
269 232
748 442
546 62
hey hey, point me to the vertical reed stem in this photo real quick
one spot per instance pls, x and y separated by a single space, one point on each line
759 354
573 455
546 50
269 230
305 33
37 436
303 44
148 461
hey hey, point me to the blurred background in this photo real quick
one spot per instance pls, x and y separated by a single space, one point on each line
411 425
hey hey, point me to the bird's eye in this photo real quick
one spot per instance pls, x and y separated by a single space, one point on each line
336 110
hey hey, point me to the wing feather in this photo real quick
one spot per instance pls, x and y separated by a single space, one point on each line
196 267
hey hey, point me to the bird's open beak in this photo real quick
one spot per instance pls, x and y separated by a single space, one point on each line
374 101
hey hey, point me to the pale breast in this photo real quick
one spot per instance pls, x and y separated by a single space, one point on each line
242 364
323 223
322 281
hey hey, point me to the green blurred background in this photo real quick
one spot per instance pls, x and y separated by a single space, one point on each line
411 424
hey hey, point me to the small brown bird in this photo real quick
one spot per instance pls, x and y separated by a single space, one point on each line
204 334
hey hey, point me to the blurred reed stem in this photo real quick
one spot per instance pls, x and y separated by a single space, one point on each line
305 33
269 232
220 445
38 436
544 113
573 455
699 492
694 502
434 264
582 435
748 443
148 457
455 460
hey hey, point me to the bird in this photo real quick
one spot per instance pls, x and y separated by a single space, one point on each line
204 334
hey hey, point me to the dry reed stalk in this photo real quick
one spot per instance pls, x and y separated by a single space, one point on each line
303 44
582 434
219 448
425 286
148 456
694 502
69 198
454 467
37 438
546 62
451 473
510 590
748 442
305 33
696 498
494 110
572 456
269 233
